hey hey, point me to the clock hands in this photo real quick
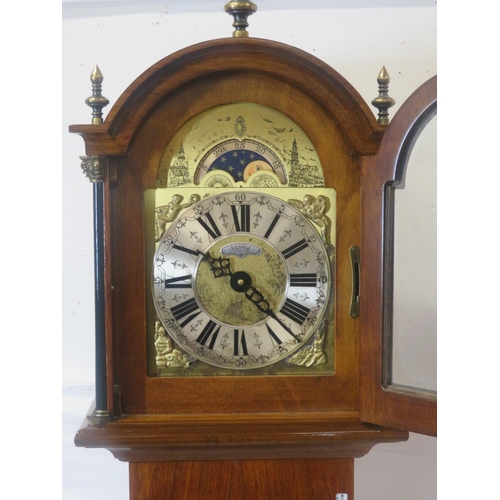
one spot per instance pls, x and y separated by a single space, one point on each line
242 282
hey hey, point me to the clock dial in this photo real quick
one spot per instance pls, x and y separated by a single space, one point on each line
241 280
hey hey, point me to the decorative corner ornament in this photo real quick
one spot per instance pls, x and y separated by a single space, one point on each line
168 213
166 355
312 355
94 167
315 210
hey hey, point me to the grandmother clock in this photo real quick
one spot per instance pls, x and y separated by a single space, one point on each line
238 191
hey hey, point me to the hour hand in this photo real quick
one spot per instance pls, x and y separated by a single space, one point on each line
220 267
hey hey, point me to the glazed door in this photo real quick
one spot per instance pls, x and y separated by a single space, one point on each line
398 271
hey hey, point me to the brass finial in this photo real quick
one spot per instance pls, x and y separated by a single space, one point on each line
383 102
240 11
96 101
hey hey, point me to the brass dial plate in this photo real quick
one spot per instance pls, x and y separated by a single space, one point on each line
268 299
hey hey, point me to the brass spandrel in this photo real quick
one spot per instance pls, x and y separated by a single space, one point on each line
166 214
166 355
315 210
312 355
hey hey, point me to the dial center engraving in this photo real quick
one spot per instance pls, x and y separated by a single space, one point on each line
224 299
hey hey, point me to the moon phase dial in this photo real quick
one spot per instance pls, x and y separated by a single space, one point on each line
241 280
240 159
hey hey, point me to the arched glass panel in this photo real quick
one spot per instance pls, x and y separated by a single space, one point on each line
411 308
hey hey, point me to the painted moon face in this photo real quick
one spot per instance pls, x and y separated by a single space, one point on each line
255 166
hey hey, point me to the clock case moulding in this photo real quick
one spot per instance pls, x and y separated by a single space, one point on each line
158 419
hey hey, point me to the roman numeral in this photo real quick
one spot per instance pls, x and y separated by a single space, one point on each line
186 250
207 332
296 248
271 227
273 335
296 312
190 318
307 279
212 231
240 340
241 223
171 282
185 308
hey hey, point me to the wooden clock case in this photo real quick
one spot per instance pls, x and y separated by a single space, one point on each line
263 437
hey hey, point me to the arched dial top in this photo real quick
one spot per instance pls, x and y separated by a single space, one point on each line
240 145
241 280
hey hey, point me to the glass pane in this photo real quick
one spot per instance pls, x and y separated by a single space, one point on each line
414 279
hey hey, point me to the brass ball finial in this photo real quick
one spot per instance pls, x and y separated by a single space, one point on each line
383 102
96 101
240 11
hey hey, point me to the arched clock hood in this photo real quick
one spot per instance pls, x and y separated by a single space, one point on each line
282 66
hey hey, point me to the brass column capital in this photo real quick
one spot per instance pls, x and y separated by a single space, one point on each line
94 167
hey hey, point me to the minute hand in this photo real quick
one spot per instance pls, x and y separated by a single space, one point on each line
257 298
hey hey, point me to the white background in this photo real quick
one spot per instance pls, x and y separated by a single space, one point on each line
125 38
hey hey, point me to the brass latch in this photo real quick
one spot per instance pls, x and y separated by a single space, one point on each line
355 267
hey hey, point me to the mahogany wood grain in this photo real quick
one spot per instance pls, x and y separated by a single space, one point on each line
417 413
237 437
242 480
204 60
